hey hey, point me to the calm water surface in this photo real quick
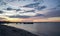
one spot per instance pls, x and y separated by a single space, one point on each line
51 29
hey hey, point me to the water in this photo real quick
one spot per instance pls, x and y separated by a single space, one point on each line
47 29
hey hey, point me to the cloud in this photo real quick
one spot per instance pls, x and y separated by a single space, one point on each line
53 13
20 13
9 8
40 7
30 11
36 6
15 0
26 8
18 9
27 14
36 0
59 5
11 0
18 16
8 13
32 5
1 12
39 15
2 3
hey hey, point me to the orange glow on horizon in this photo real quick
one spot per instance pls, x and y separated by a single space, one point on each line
52 19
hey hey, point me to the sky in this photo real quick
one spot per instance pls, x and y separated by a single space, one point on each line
30 10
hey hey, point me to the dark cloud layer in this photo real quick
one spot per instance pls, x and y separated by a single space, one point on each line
18 16
40 15
40 7
1 12
30 11
32 5
53 13
18 9
58 6
35 0
36 6
9 8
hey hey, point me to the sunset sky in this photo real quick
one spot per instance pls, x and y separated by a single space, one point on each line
30 10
